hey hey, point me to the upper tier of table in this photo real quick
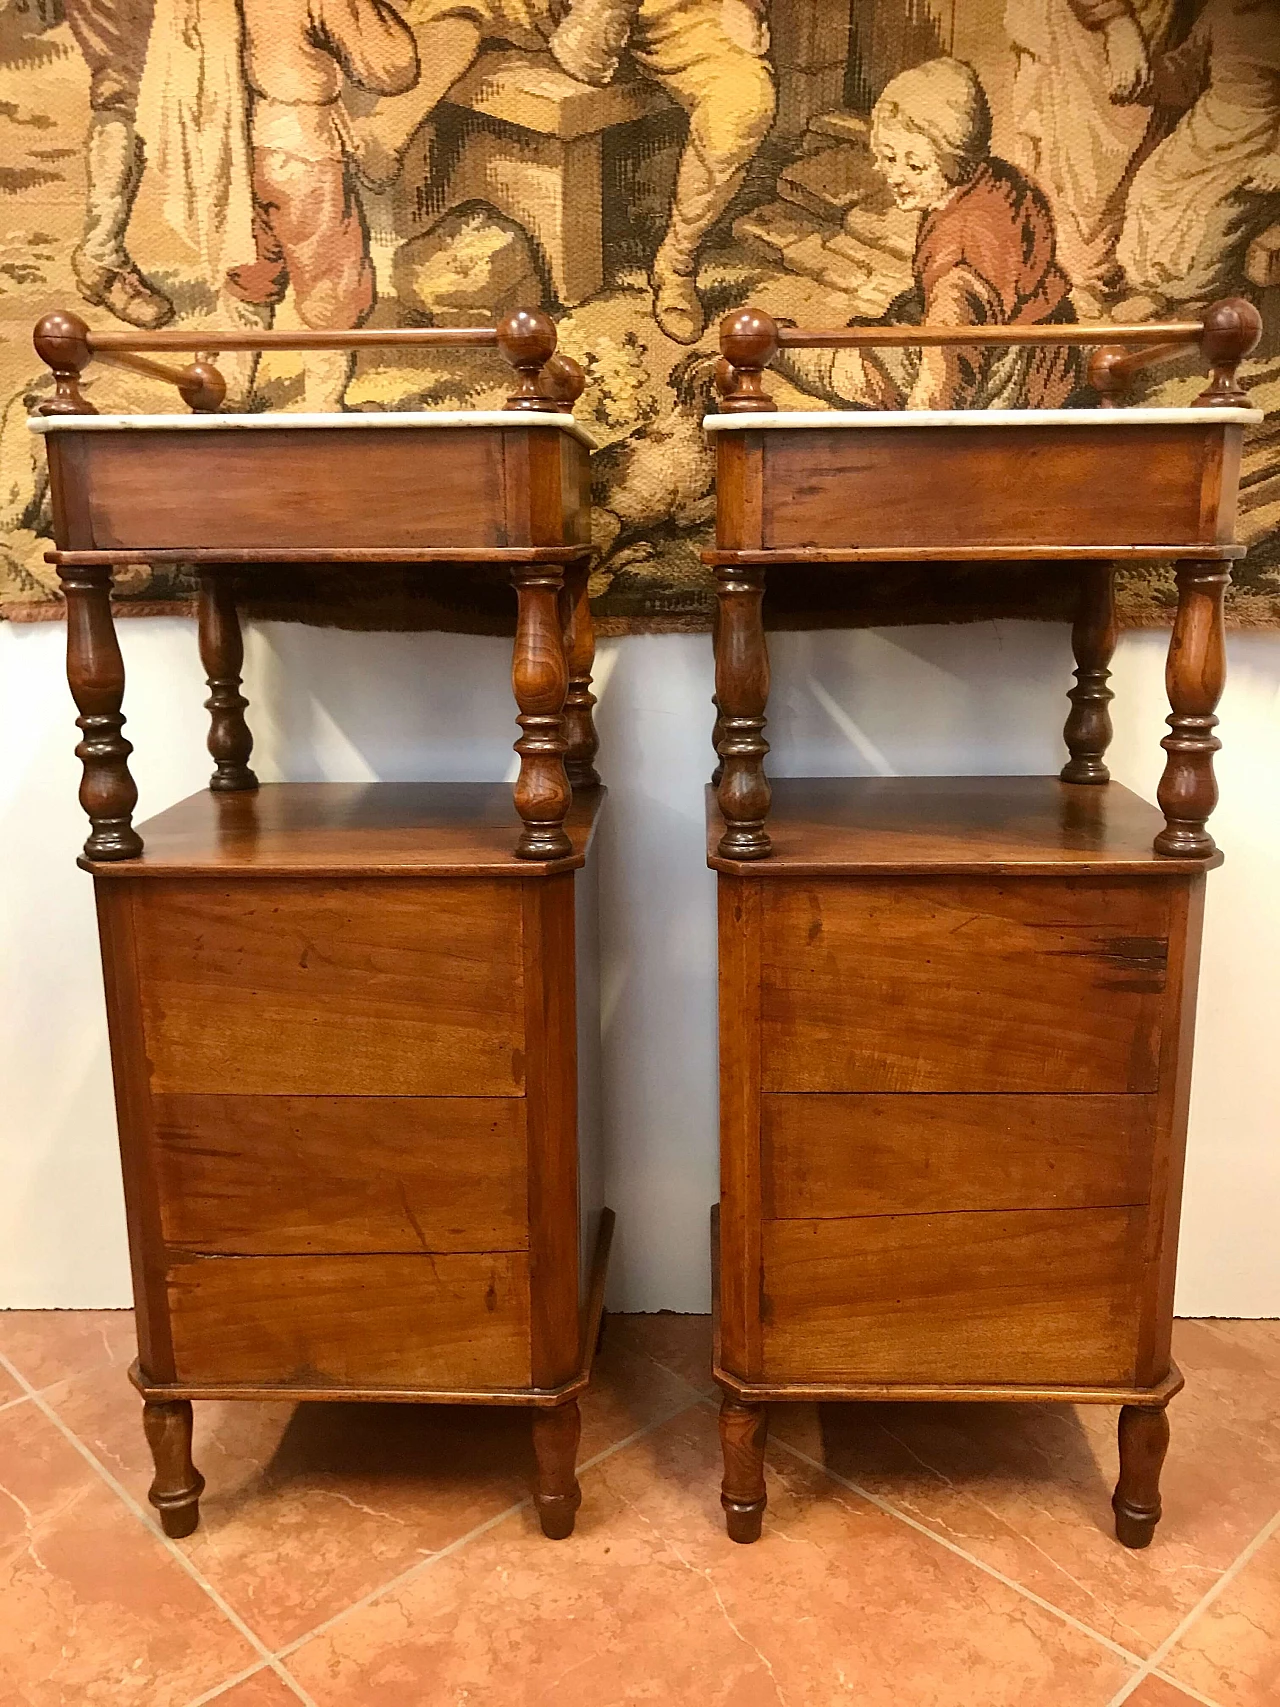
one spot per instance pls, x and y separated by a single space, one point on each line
949 825
459 486
977 485
366 829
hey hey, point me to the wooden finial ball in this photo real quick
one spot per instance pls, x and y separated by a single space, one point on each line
527 338
202 388
562 382
725 377
749 339
1232 330
62 341
1107 373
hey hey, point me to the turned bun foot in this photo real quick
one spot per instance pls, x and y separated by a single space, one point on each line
557 1514
743 1522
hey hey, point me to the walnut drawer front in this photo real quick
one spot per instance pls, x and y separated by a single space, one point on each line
1031 1296
963 985
280 1176
878 1154
329 987
455 1320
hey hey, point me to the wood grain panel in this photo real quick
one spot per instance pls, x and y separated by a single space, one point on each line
451 1320
322 987
1000 486
954 985
1032 1296
282 1175
907 1155
437 487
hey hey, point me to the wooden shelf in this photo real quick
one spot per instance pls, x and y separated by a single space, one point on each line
941 825
379 829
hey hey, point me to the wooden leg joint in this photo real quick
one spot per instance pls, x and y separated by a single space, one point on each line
744 1430
176 1490
1144 1440
557 1495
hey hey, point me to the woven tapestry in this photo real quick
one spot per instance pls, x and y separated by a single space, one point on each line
639 168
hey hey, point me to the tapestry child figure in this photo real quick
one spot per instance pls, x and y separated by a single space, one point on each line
308 226
985 255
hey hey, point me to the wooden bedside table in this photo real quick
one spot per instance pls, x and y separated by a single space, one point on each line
353 1027
956 1013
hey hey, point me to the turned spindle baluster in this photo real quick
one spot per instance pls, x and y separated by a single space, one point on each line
1232 329
582 742
527 338
1144 1440
540 681
176 1490
744 1430
222 654
95 673
1093 641
749 342
557 1495
1194 676
742 695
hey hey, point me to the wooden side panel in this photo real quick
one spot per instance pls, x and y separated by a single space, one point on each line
1033 1296
998 486
286 1175
591 1198
575 490
552 1099
1175 1096
458 1320
961 985
438 487
740 908
134 1124
327 987
886 1155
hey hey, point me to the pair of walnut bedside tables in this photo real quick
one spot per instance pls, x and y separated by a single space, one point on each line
352 1026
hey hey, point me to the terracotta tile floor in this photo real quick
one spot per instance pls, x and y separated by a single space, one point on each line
919 1556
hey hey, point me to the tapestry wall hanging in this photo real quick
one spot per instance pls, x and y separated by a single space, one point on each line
638 167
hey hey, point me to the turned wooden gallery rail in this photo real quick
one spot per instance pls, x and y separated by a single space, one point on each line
1110 486
212 492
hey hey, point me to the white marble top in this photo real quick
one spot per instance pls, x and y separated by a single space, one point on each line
288 422
775 418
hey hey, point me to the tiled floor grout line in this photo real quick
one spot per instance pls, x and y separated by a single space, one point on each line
1206 1600
970 1558
127 1499
423 1565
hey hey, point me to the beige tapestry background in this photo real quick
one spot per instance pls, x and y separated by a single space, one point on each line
639 167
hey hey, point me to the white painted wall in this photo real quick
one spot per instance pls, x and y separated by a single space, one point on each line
349 706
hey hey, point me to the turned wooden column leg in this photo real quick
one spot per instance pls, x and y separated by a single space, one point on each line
1093 641
580 649
555 1445
744 1430
95 672
742 695
1194 676
176 1491
717 729
1144 1440
222 654
540 680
